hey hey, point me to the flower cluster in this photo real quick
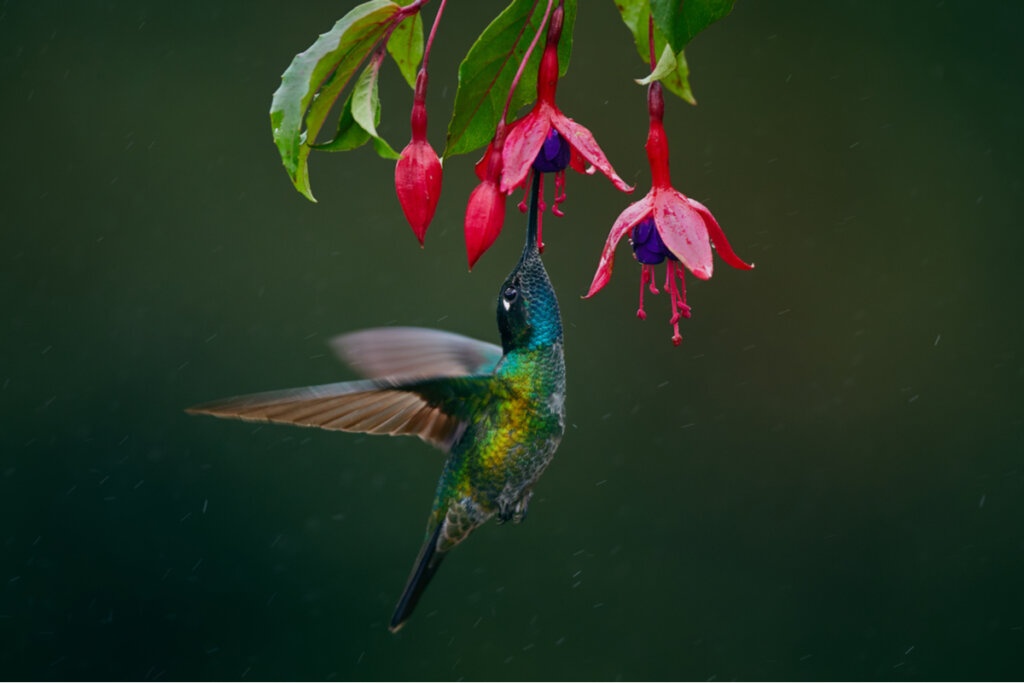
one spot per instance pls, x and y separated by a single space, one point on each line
543 141
665 226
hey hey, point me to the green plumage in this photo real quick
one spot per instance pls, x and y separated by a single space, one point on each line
499 412
516 428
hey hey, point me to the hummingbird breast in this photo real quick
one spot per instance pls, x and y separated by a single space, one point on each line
513 444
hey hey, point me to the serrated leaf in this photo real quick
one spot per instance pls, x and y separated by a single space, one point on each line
406 47
485 74
666 65
680 20
635 15
312 82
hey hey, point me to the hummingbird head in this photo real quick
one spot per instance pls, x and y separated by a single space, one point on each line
528 314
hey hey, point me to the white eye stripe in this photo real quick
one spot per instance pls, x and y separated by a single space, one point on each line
506 303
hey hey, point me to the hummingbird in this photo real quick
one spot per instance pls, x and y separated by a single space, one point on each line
498 412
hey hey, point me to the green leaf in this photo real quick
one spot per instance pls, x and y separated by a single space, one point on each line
635 15
383 149
312 82
680 20
486 73
406 47
679 82
666 65
366 107
350 134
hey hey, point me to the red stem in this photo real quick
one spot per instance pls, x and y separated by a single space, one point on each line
650 39
526 58
433 30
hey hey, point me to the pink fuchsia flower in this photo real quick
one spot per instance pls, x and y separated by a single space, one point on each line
546 140
665 225
418 171
527 138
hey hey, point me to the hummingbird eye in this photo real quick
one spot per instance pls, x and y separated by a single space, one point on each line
508 297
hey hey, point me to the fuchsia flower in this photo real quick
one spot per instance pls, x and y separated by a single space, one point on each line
535 133
545 140
666 224
418 171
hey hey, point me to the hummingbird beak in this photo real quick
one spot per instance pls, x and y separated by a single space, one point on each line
531 248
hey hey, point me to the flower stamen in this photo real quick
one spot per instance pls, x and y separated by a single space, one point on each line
670 282
645 275
559 193
683 307
526 193
653 287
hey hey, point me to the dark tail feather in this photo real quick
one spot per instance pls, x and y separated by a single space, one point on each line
426 564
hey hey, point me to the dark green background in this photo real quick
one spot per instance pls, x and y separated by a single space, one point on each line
824 481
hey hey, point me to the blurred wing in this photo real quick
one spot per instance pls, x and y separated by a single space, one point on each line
436 410
415 352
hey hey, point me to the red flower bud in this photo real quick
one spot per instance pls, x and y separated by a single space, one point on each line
418 184
485 213
418 171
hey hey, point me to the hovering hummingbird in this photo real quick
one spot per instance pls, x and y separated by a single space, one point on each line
499 412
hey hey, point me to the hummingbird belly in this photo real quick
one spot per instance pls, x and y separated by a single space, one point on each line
519 444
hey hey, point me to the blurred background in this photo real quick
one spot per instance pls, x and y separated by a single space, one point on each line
824 481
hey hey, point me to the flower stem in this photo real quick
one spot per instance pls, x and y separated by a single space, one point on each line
433 30
526 58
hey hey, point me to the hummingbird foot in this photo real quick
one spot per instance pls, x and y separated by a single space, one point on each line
520 513
514 513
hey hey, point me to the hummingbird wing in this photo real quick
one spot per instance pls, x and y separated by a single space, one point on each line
435 409
414 352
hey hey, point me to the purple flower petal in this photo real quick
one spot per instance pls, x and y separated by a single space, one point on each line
633 214
554 154
647 244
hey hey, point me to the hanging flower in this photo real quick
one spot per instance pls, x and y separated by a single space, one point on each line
665 225
418 171
485 213
546 140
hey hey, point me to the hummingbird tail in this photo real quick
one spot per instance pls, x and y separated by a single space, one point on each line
426 564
